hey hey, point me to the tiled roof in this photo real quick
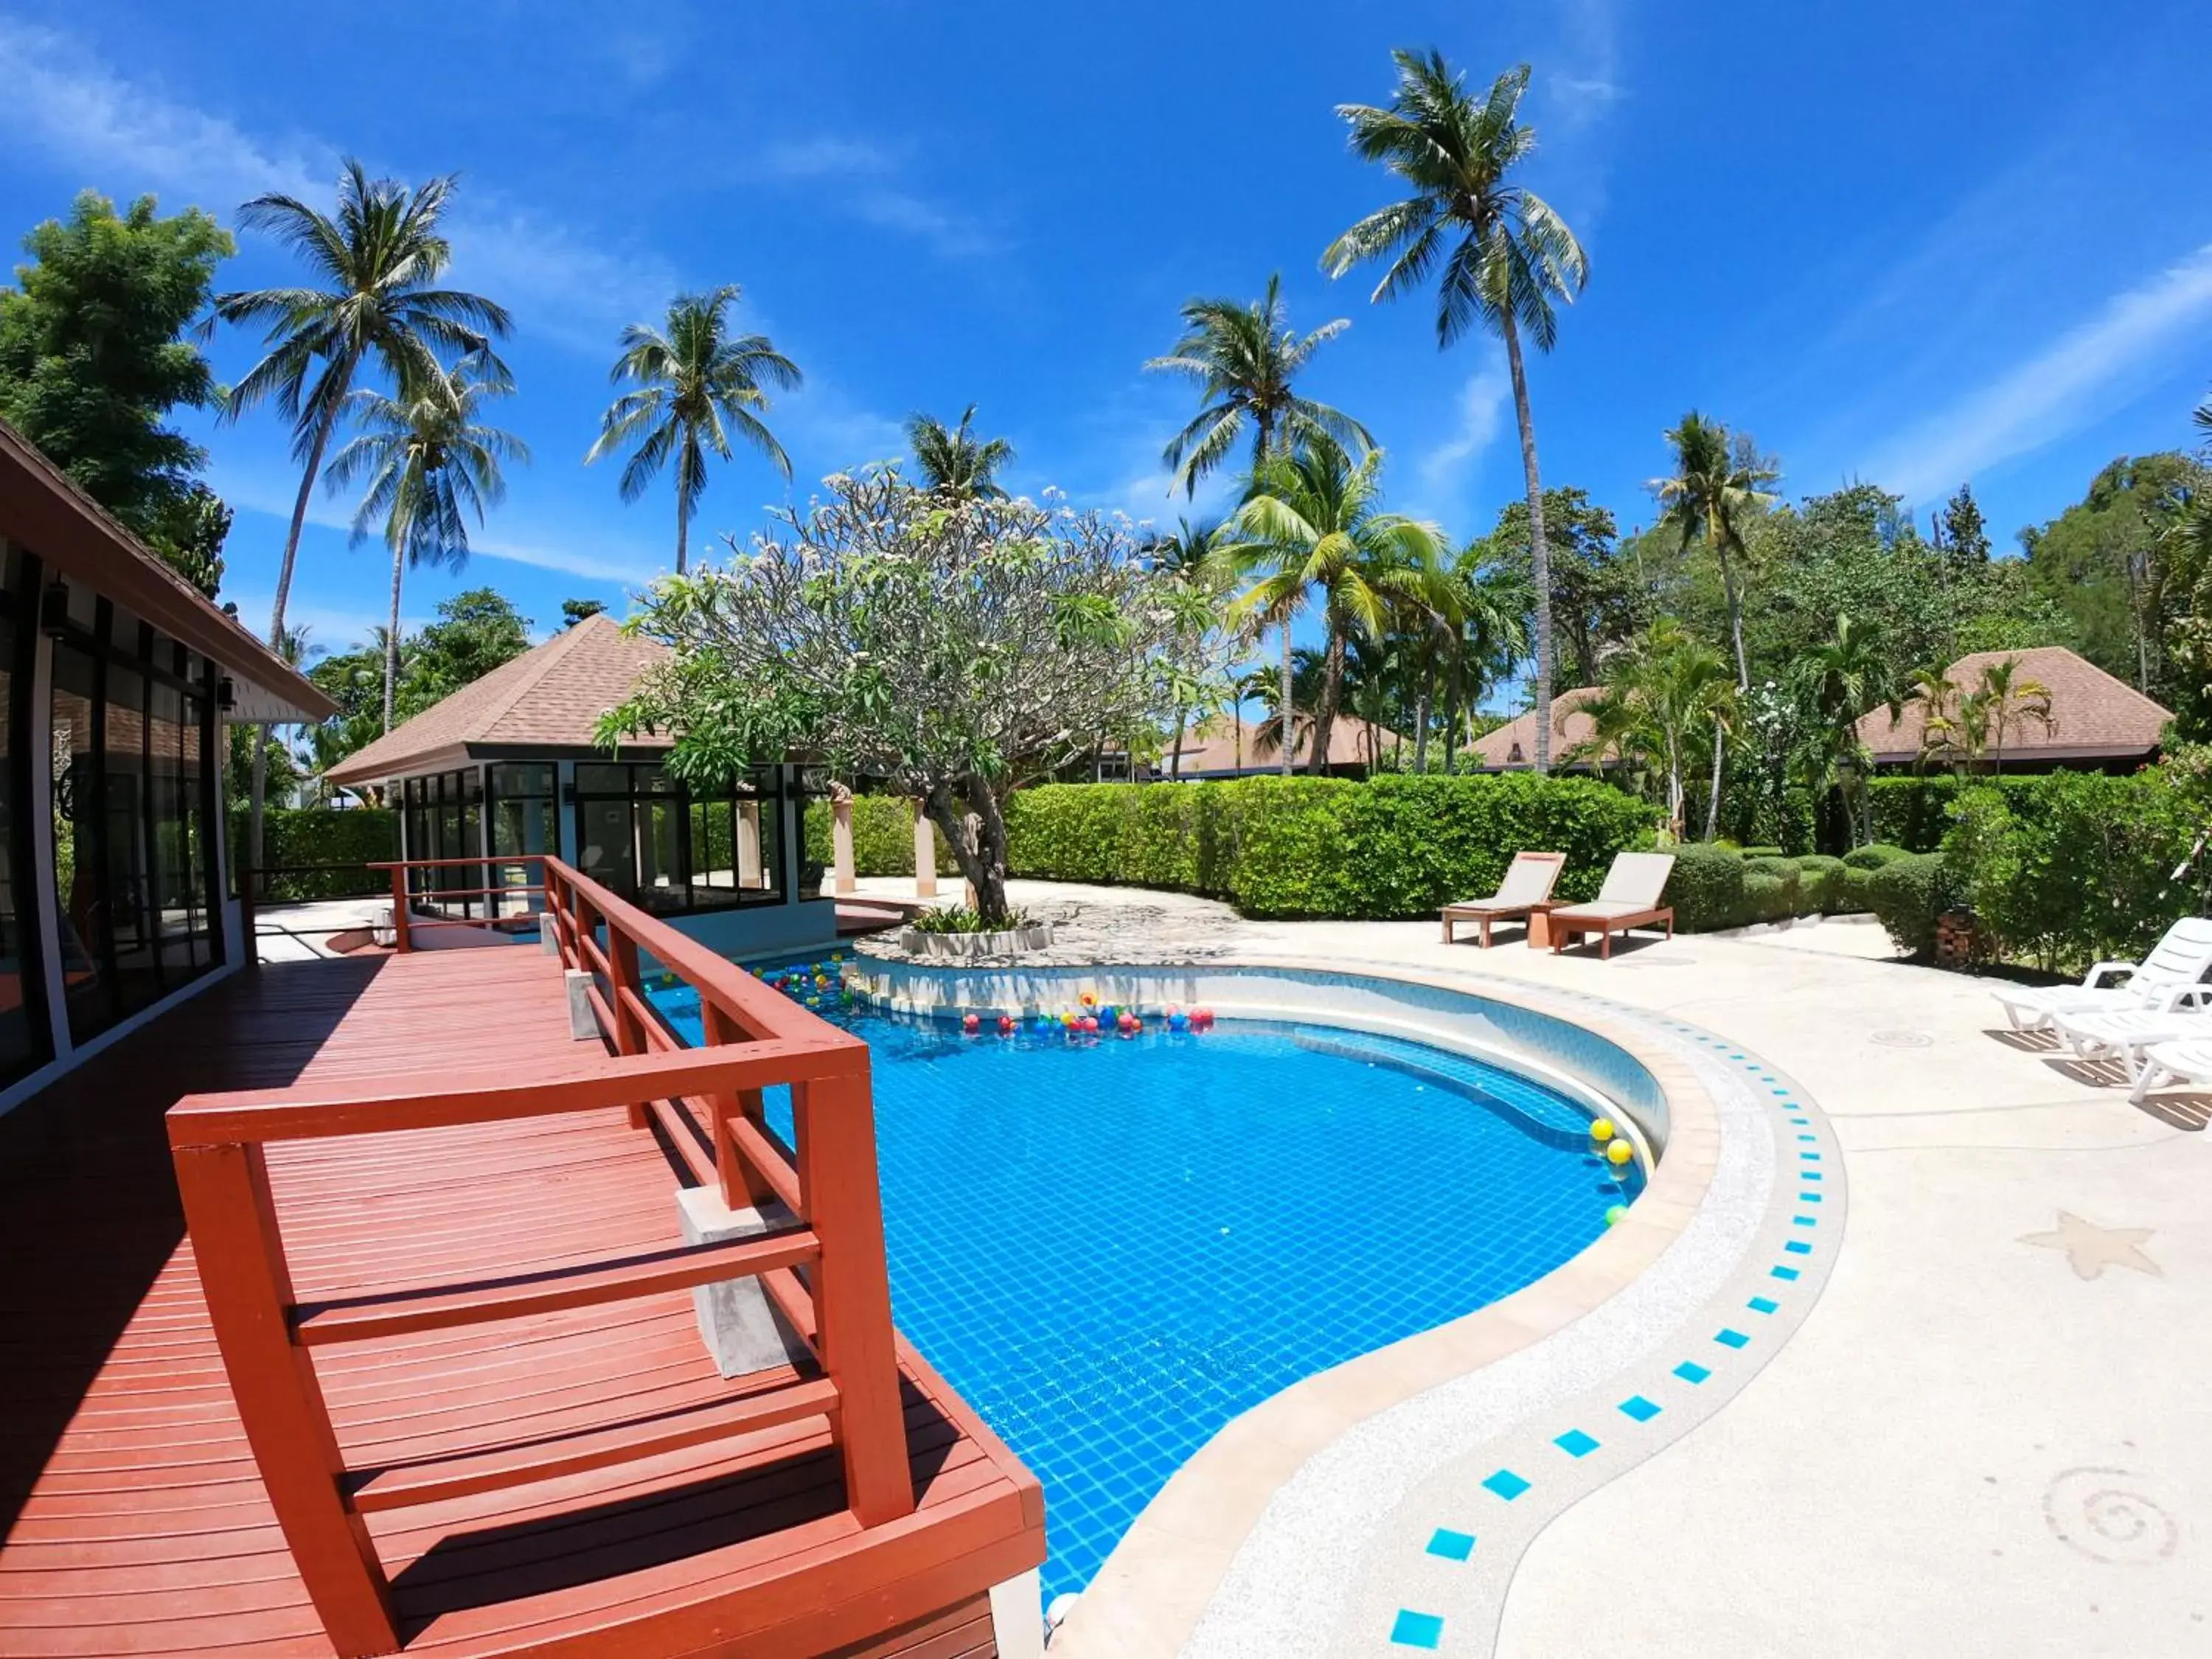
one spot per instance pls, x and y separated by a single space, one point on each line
1514 743
549 697
1217 744
2094 716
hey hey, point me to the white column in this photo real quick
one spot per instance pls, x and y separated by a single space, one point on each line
840 842
749 858
925 854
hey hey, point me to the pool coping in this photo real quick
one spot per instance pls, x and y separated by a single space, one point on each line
1147 1598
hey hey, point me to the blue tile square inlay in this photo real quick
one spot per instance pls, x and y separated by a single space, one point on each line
1798 1247
1690 1371
1782 1273
1639 1408
1417 1630
1809 1198
1762 1304
1507 1484
1810 1174
1730 1339
1575 1443
1809 1137
1805 1221
1452 1546
1810 1157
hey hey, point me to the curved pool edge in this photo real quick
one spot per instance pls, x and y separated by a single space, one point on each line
1213 1561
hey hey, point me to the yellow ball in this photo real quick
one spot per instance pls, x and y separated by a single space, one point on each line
1601 1131
1620 1153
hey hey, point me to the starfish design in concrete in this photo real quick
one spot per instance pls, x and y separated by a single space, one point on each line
2090 1248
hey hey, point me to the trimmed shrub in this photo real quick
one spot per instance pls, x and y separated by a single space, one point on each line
883 837
1768 896
1707 888
1874 855
1395 846
1763 851
348 836
1821 885
1915 813
1908 895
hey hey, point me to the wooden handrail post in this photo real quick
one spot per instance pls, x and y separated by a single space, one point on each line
835 1122
743 1187
629 1031
401 944
240 1258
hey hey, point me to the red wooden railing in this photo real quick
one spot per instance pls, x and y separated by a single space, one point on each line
825 1271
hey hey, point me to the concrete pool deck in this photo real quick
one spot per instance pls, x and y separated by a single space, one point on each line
1980 1439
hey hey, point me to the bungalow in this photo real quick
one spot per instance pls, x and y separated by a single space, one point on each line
1512 746
508 766
1228 746
116 680
2097 722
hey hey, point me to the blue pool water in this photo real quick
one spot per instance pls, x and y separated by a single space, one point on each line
1110 1248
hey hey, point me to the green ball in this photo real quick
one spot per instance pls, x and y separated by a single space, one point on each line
1617 1214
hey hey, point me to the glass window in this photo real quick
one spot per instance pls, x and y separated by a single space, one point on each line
22 1036
80 901
671 848
523 811
127 813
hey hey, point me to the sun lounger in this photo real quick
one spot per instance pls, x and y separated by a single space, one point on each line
2172 1062
2178 963
1527 888
1630 898
2126 1033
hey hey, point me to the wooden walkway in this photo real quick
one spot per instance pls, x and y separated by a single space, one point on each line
135 1520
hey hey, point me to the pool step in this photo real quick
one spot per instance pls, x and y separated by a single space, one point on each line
1527 1106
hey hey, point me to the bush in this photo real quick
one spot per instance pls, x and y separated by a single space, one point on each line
351 837
1767 895
1707 888
1821 889
1908 895
1763 853
1395 845
1874 855
883 837
1915 813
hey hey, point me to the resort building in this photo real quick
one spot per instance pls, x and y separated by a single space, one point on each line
1229 746
117 680
1513 745
2097 723
508 767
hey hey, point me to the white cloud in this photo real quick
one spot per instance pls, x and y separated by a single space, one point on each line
822 158
1446 471
2082 376
877 197
62 102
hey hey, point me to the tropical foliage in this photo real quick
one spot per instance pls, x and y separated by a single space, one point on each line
952 461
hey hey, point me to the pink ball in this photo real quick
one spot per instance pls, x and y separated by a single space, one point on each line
971 1024
1005 1024
1090 1022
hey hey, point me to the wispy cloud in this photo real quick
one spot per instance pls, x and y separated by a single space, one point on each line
2076 379
61 102
875 190
1446 472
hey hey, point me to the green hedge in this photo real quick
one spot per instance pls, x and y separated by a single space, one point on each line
1715 887
1914 812
1395 846
883 837
352 836
1908 895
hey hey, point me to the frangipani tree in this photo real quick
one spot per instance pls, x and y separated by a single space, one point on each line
952 648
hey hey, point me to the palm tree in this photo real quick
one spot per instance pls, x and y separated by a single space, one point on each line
1846 675
1488 636
1188 556
1715 488
693 385
377 265
954 463
1935 693
1245 358
1511 257
1681 685
1313 520
2005 697
430 467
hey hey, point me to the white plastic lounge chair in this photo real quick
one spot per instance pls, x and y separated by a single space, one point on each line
2180 961
1527 887
1630 898
2172 1062
2126 1033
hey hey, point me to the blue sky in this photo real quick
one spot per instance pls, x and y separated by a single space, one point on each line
1911 244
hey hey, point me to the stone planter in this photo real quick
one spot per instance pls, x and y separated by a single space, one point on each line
1030 936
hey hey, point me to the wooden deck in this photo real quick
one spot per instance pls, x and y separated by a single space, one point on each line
134 1519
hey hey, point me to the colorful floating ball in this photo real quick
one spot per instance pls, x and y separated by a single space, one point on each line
1616 1214
971 1023
1089 999
1620 1152
1178 1020
1601 1131
1090 1023
1005 1025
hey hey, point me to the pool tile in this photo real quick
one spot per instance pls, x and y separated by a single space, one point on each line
1808 1198
1507 1484
1417 1630
1452 1546
1690 1371
1638 1407
1806 1221
1798 1247
1762 1304
1575 1443
1782 1273
1731 1339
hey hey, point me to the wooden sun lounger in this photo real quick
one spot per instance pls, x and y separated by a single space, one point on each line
1526 891
1630 898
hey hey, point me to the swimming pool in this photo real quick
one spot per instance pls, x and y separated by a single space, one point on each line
1112 1247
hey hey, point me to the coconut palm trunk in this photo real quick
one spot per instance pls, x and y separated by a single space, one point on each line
1713 800
1283 720
1539 556
1734 611
392 638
